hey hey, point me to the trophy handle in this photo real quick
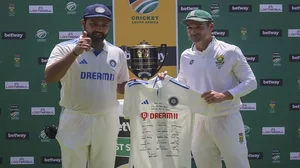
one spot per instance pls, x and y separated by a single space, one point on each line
163 47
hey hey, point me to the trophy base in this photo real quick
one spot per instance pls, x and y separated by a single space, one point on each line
145 79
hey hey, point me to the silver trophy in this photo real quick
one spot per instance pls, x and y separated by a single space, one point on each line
144 62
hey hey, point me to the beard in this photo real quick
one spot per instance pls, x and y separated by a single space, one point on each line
197 37
97 37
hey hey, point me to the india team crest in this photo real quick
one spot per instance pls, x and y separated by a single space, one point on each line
112 63
220 61
143 6
173 101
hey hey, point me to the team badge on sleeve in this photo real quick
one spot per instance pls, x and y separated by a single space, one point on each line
220 61
112 63
173 101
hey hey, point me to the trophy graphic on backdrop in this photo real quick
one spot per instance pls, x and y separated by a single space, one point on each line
144 60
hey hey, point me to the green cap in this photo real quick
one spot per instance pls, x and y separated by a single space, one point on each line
198 15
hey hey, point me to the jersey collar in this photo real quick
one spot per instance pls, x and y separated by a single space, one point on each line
209 47
105 48
158 84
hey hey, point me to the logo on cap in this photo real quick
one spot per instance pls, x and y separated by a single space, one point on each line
100 9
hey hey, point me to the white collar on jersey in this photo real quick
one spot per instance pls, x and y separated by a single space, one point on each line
210 45
157 83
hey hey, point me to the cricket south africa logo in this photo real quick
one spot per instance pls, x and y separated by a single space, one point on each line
220 61
41 35
71 6
143 6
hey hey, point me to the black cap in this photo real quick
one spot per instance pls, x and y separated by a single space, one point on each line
97 10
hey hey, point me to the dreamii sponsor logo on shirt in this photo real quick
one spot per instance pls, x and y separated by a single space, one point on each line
270 8
188 8
66 35
22 160
273 130
97 76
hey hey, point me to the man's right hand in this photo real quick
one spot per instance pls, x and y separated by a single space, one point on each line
162 75
83 44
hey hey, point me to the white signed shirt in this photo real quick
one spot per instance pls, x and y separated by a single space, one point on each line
161 119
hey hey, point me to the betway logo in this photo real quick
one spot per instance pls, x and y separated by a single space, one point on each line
125 126
220 33
252 58
271 82
255 155
17 135
240 8
65 35
42 60
295 106
188 8
13 35
294 57
294 8
270 8
270 32
51 160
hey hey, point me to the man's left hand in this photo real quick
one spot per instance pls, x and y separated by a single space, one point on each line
215 97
